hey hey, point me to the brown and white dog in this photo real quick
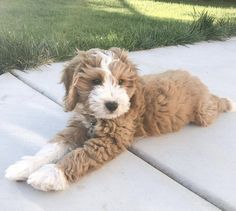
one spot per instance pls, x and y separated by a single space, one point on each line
112 105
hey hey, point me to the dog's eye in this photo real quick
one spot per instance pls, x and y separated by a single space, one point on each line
97 81
121 82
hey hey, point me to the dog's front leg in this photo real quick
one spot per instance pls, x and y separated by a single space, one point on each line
78 162
62 143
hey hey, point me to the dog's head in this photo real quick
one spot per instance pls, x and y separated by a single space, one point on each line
103 80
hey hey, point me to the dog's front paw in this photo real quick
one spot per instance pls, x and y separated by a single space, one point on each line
48 178
21 169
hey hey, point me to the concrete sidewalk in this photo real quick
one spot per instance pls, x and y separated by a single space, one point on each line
194 169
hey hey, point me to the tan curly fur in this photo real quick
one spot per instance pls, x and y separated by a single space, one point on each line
159 104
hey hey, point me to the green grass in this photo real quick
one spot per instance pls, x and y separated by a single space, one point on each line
36 32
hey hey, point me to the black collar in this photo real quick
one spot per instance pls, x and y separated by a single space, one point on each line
93 121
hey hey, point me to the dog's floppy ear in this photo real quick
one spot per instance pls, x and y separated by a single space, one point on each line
69 79
72 97
122 54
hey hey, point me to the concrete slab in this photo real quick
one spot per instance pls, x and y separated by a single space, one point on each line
28 120
201 159
45 79
214 62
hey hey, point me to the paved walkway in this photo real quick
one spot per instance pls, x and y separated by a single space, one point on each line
194 169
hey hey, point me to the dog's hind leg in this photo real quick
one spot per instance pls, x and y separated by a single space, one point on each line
210 107
61 144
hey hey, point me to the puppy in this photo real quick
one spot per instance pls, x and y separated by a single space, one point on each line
112 105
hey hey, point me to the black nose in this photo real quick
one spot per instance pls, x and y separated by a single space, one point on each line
111 105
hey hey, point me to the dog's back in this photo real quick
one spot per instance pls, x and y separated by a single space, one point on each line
176 98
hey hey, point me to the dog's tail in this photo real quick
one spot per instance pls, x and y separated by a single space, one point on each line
225 104
232 105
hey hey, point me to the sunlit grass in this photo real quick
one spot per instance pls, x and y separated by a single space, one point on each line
35 32
184 11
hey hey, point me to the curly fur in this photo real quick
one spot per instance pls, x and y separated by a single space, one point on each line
153 105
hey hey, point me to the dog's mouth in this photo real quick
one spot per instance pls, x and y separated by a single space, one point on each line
109 110
107 114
